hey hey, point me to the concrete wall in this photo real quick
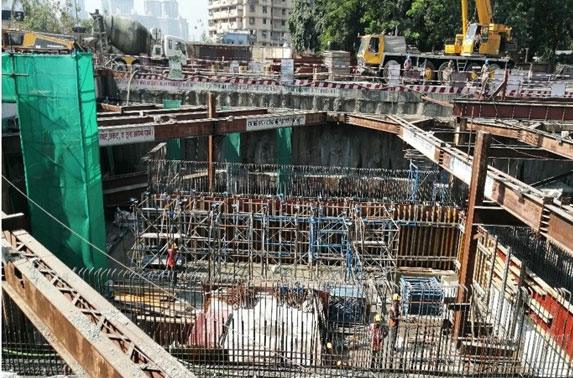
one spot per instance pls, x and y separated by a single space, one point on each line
322 99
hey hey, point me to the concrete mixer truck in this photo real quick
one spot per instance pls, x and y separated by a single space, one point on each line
125 44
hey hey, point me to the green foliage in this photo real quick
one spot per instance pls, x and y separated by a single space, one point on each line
48 16
303 27
540 25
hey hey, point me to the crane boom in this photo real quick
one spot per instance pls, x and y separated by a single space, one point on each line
484 12
464 17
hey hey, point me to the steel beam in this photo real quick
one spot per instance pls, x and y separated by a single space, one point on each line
532 136
548 216
172 115
83 327
210 126
469 246
211 113
538 110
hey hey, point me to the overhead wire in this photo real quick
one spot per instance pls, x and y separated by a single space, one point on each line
99 250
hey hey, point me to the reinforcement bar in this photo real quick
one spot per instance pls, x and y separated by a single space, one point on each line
90 334
544 214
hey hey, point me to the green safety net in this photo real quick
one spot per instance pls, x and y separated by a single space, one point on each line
232 148
58 131
173 145
284 157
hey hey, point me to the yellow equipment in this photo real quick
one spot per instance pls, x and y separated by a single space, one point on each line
396 297
21 40
374 46
483 38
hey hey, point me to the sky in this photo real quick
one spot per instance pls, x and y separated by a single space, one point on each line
195 11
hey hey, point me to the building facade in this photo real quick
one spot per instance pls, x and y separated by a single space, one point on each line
164 14
265 20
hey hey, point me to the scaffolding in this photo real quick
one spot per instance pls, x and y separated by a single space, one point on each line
270 236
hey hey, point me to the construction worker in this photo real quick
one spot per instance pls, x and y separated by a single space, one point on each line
407 64
447 72
394 320
377 333
171 261
485 72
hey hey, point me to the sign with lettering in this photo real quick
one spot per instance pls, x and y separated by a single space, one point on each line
287 71
268 123
111 136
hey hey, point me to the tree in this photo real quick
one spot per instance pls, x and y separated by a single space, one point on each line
342 21
48 16
542 26
303 27
432 23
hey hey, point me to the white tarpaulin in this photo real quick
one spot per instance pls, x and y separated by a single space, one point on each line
272 332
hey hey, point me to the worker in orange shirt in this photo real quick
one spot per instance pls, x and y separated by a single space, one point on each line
377 333
171 261
394 320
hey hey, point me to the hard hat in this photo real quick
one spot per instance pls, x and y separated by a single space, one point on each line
328 345
408 57
396 297
174 246
487 61
377 318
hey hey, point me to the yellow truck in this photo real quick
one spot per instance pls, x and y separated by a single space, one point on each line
479 42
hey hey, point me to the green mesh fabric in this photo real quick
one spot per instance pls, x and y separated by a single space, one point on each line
284 155
173 145
58 131
232 148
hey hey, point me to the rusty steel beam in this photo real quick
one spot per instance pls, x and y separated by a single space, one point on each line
469 244
211 113
546 215
538 110
171 116
531 136
514 152
90 334
159 131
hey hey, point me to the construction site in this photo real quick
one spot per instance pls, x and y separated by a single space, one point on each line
212 218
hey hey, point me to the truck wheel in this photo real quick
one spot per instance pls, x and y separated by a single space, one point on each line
429 72
473 71
120 65
492 69
386 69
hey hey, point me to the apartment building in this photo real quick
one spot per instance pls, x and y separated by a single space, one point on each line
265 20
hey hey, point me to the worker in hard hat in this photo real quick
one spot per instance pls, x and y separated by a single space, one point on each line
394 320
377 333
485 75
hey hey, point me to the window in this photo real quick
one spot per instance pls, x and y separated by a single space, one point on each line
284 12
251 20
169 44
264 21
252 8
264 9
283 22
264 34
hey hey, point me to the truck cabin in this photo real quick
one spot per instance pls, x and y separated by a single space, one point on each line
174 46
370 49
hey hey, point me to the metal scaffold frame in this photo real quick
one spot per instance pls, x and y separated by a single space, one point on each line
265 236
